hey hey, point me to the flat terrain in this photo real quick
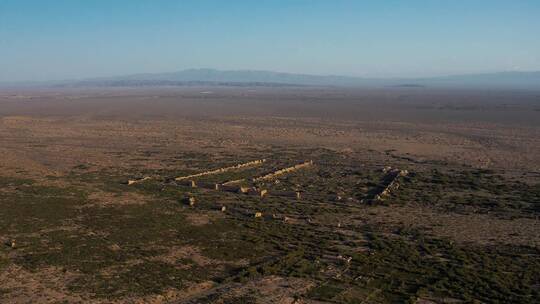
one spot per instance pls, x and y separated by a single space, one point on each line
462 226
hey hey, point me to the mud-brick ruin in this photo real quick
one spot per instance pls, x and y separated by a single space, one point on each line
235 186
388 183
223 170
283 171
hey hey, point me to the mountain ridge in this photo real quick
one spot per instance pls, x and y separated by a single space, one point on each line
207 76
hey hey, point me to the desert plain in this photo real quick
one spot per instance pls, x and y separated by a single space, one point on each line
459 225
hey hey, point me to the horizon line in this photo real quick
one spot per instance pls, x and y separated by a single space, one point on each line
82 78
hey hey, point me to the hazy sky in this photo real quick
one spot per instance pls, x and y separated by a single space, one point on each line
60 39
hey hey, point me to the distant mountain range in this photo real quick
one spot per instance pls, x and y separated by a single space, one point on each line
243 78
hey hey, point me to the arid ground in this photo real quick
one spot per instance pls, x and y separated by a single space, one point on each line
462 226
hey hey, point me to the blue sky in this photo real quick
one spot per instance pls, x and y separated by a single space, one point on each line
61 39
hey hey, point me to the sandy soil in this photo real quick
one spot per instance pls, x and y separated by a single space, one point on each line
49 133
